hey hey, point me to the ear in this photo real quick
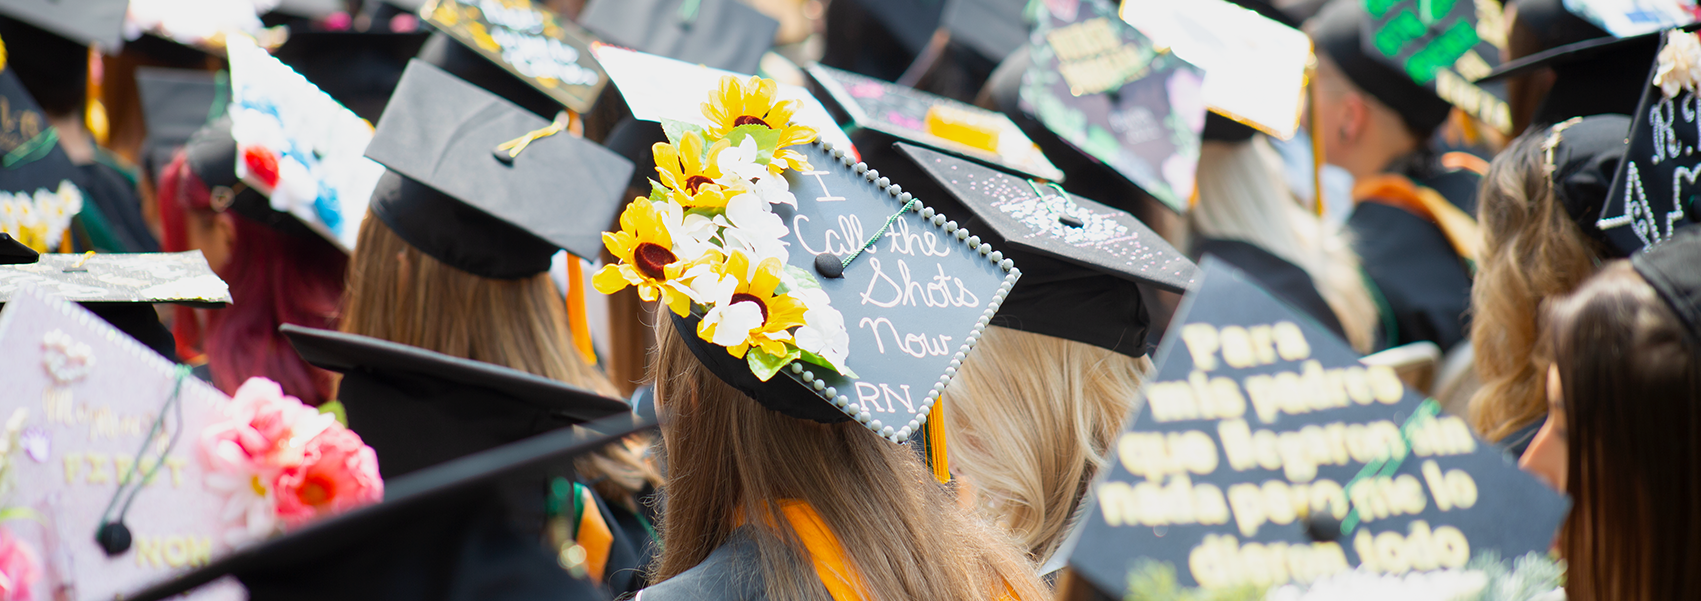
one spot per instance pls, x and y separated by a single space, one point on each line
224 233
1355 117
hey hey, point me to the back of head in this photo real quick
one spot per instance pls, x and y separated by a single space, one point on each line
400 294
1533 250
729 458
1243 196
275 278
54 69
1030 420
1337 31
1631 380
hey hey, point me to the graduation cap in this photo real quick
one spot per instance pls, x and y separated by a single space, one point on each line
181 277
485 186
539 47
1582 157
724 34
194 28
1670 269
1255 66
1266 453
438 535
1595 70
358 69
1076 253
910 22
309 9
38 198
88 396
993 28
1441 47
657 88
294 145
175 104
1099 91
1641 209
1340 32
895 112
89 23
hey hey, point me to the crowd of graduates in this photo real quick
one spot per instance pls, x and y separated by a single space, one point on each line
877 299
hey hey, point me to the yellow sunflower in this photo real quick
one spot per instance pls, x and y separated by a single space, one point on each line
748 313
752 102
645 250
687 171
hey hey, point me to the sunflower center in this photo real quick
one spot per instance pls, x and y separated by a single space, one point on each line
751 298
749 120
651 258
696 181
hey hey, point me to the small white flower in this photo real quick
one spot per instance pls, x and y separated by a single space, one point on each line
741 172
734 321
1679 64
823 331
750 226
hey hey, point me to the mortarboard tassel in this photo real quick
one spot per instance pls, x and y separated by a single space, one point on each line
576 319
936 457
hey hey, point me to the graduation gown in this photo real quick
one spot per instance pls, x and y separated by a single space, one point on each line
1411 252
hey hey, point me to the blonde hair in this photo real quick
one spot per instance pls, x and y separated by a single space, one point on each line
398 293
1029 420
1242 196
1532 251
728 456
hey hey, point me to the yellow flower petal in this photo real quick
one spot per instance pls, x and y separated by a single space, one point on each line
609 279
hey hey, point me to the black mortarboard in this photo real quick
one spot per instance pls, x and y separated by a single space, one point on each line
88 22
122 287
724 34
13 252
497 213
1265 452
537 46
1438 46
293 144
360 70
1339 32
1595 72
912 22
1582 155
893 112
1098 92
309 9
1084 262
439 534
176 103
1642 209
1673 270
993 28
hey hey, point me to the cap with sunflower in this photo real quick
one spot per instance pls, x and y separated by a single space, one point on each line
706 242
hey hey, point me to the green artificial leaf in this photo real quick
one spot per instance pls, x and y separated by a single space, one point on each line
767 140
765 365
676 130
793 277
815 359
710 212
658 192
335 408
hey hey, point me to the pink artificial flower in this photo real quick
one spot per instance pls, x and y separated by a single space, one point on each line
19 568
338 473
266 430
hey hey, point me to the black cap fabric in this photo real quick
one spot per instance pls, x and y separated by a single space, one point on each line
297 146
1078 254
1653 192
1338 30
911 22
1099 98
993 28
13 252
358 69
309 9
175 104
439 534
1585 155
182 278
912 115
1440 46
452 194
87 22
534 44
1265 452
724 34
1595 71
1674 270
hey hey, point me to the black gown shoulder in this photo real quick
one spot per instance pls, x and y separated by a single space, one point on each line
1420 277
1284 280
113 193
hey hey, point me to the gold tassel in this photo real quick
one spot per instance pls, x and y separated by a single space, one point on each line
94 116
576 318
1316 136
936 443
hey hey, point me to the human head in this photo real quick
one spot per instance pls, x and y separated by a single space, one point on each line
1369 112
729 456
1030 420
1534 249
1623 428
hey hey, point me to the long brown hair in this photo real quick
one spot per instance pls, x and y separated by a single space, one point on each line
1029 422
397 293
728 456
1532 251
1631 386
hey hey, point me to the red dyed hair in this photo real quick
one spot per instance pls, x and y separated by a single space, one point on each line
275 278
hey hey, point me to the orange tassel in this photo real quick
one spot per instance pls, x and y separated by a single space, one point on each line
576 318
936 443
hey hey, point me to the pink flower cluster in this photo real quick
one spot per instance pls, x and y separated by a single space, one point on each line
20 569
280 460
